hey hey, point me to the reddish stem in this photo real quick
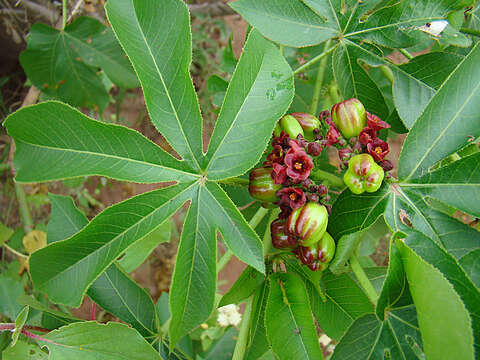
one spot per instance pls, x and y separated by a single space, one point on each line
241 208
29 327
93 311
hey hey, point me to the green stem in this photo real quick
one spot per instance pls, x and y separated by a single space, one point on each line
23 209
314 60
254 221
4 167
64 14
363 279
282 49
470 31
331 178
241 345
406 53
235 181
15 252
319 80
334 95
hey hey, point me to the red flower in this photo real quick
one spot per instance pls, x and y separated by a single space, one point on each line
367 135
378 149
332 134
276 156
375 123
279 173
293 197
281 140
298 163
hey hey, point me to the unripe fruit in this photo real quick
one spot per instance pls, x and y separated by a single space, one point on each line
350 117
319 255
262 186
291 126
308 123
280 240
308 223
363 174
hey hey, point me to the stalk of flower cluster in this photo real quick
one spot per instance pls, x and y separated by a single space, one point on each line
363 279
241 344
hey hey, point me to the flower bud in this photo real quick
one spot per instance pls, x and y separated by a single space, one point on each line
350 117
314 148
309 124
280 240
307 223
261 185
291 126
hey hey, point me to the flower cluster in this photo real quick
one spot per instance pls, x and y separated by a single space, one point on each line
287 178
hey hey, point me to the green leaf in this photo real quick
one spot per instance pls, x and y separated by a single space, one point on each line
446 124
418 80
10 290
65 219
430 252
24 350
117 293
445 325
53 64
288 319
93 341
354 81
236 233
260 92
55 141
5 233
351 216
65 269
138 252
289 22
195 273
167 87
224 347
19 322
409 209
396 338
457 184
97 46
163 311
60 316
248 281
194 277
345 303
257 335
471 264
113 290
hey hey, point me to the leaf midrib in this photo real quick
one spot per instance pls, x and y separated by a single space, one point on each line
116 157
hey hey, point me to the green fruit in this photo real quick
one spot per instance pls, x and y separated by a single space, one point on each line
291 126
308 223
350 117
308 123
363 174
261 185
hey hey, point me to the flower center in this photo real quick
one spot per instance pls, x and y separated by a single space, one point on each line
378 150
293 197
298 165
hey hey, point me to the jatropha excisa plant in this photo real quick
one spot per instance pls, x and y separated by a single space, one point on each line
347 241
